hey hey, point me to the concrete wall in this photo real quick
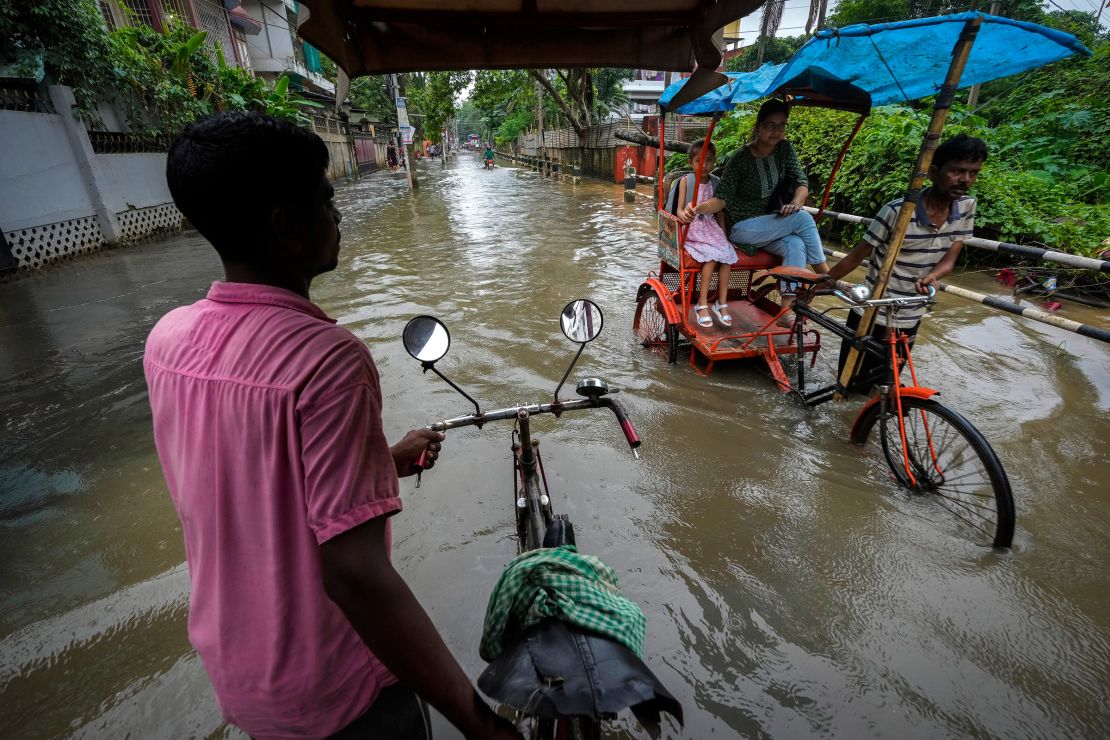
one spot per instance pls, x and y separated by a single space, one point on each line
41 182
59 199
134 180
341 157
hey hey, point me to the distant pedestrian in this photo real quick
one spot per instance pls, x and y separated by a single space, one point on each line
391 158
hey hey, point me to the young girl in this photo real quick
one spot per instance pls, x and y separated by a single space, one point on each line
705 240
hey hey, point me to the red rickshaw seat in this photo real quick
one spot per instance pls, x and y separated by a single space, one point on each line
759 261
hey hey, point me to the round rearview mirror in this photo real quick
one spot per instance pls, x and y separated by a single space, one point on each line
581 321
426 338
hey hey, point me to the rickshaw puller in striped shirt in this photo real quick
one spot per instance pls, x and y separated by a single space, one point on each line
944 216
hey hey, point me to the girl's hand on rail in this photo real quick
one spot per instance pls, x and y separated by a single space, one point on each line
416 443
687 214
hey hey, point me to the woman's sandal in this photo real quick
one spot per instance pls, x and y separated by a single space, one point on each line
721 312
706 320
787 319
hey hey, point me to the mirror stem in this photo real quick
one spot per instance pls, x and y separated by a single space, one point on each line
574 362
431 366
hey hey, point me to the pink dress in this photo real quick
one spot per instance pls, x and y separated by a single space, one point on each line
705 240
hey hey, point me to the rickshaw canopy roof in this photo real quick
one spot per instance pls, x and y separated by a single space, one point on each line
861 66
379 36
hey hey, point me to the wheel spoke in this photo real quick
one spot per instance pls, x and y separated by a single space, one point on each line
966 504
947 457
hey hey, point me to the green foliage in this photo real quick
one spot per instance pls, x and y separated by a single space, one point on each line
513 125
499 95
369 93
778 50
162 81
282 102
850 12
71 35
1030 190
431 99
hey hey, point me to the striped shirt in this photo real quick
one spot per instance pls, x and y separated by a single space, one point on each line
922 248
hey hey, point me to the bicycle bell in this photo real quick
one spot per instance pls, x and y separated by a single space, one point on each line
592 388
859 293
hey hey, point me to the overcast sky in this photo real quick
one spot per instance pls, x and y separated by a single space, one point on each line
795 13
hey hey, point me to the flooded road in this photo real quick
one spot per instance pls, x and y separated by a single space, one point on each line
791 590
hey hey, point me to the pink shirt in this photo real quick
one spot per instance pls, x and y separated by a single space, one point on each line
267 419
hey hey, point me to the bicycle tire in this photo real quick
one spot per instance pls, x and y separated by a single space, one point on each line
952 461
651 328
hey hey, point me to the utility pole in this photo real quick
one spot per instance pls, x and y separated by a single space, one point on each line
539 117
403 127
973 96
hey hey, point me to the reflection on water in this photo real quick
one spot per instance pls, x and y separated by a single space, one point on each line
791 589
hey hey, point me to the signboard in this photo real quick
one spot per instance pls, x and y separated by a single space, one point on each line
403 116
407 132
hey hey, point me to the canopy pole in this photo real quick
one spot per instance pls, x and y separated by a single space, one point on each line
683 229
839 161
662 156
913 193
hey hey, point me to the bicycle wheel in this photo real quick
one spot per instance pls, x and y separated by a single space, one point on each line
951 461
651 327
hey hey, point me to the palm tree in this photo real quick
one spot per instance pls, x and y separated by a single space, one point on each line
816 19
772 17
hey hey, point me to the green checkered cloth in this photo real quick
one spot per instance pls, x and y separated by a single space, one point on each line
559 582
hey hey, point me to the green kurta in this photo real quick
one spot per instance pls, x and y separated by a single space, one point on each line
748 182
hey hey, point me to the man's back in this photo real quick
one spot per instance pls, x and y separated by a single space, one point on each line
267 422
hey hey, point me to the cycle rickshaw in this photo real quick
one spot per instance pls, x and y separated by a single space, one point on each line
928 447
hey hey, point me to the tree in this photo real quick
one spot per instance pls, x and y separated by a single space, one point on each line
432 97
815 21
369 93
499 95
768 27
584 96
778 50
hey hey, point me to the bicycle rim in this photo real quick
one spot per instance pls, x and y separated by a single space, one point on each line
951 461
651 328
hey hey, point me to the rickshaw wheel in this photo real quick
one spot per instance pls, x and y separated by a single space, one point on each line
651 327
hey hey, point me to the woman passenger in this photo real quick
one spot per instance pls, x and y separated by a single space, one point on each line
754 219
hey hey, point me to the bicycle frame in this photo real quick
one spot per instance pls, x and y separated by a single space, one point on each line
527 463
895 352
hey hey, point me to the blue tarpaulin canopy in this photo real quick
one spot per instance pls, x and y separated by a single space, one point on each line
861 66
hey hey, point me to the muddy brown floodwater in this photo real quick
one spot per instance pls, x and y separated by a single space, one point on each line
791 590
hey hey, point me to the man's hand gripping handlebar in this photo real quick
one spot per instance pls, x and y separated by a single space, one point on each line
557 408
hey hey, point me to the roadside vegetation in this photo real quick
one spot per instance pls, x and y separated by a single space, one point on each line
161 81
1047 181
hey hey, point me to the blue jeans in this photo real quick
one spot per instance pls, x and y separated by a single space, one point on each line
793 237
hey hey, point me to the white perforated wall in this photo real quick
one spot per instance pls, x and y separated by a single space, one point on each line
40 246
142 223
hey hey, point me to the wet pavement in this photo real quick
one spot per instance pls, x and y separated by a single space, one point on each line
791 589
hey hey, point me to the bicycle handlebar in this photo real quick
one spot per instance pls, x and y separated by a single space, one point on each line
901 301
535 409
